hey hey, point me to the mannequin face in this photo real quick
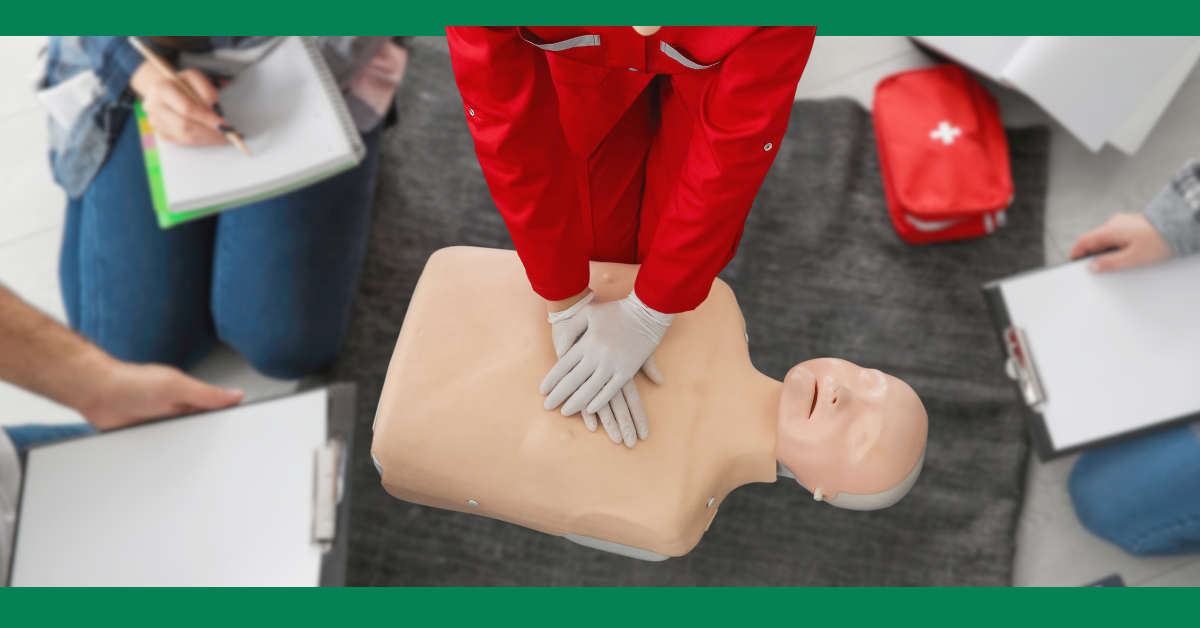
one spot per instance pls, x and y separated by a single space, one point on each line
844 428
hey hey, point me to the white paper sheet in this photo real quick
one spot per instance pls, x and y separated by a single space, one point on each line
1129 136
1116 352
224 498
1102 89
986 55
1092 85
281 108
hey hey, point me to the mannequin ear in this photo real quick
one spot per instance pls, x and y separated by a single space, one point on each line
783 471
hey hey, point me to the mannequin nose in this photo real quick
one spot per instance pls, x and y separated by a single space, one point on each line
839 395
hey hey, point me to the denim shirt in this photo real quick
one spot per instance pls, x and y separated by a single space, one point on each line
85 86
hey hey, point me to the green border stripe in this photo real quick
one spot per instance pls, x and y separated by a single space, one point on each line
858 17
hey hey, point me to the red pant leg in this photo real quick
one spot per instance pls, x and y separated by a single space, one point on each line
611 190
668 151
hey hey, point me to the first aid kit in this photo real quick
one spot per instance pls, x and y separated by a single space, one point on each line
943 155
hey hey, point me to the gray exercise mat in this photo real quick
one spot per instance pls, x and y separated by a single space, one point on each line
819 273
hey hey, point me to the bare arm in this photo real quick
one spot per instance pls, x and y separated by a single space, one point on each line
39 355
558 306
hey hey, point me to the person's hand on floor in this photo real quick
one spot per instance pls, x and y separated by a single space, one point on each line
176 117
615 340
120 394
40 355
1136 241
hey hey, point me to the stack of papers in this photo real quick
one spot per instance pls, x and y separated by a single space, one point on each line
1104 90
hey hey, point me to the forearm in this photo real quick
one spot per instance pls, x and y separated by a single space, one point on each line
1175 212
511 109
558 306
736 134
348 56
42 356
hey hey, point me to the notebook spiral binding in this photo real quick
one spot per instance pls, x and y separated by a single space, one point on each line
330 86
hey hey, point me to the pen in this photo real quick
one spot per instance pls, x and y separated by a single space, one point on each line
165 68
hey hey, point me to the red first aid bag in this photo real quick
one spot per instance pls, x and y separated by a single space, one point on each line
943 155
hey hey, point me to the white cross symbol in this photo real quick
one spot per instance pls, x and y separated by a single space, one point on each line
945 132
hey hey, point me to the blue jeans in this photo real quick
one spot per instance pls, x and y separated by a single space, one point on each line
25 436
274 280
1143 494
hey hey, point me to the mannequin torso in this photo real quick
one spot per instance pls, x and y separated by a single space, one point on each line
460 419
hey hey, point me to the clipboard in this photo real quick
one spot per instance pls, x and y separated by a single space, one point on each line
1099 358
340 428
200 554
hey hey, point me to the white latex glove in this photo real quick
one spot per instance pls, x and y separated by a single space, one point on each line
619 337
624 416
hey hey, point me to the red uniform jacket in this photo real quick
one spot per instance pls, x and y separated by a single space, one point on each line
599 143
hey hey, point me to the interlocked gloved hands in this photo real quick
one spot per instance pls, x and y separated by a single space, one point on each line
624 416
600 349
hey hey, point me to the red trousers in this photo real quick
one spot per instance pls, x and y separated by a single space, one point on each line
598 143
625 183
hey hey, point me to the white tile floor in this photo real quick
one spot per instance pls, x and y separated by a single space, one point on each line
1085 189
31 213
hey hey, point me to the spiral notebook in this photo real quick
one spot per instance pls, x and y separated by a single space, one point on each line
293 117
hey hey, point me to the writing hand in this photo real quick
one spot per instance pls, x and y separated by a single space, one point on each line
174 115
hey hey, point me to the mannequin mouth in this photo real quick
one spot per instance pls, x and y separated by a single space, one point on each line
816 391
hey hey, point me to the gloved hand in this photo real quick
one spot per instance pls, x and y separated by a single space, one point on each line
619 337
624 416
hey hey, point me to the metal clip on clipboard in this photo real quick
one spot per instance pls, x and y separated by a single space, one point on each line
327 493
1020 368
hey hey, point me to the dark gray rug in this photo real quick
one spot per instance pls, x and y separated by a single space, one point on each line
819 273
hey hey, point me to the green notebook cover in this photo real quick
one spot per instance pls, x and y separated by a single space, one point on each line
158 192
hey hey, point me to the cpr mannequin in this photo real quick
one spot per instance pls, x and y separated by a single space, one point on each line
461 426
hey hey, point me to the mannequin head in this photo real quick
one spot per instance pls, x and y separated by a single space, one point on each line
856 435
646 31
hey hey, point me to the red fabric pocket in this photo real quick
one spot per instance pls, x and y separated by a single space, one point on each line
943 155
